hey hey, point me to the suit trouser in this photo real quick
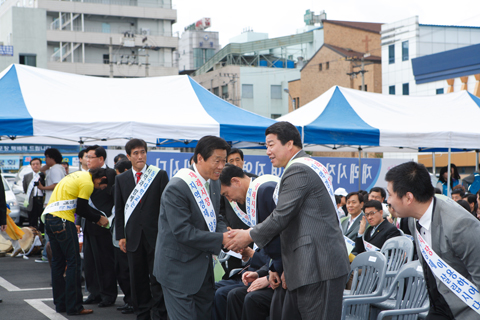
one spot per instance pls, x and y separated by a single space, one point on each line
245 305
321 300
222 288
122 273
98 261
37 209
198 306
147 295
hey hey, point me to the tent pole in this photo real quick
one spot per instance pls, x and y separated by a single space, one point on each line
476 160
359 168
449 192
433 163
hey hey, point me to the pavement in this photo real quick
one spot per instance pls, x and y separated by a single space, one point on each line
26 293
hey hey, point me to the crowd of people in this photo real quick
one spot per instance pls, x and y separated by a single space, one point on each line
285 237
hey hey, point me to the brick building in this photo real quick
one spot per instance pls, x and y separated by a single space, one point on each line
345 44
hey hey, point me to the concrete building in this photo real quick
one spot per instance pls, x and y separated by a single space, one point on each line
347 46
196 46
73 36
407 39
253 71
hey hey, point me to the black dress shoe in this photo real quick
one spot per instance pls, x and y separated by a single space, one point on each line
81 313
128 310
125 306
92 300
104 304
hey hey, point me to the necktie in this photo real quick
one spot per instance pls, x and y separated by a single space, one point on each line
207 187
138 175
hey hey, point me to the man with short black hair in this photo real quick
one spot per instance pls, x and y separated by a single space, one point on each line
235 157
54 172
457 194
33 195
190 230
97 241
70 196
83 160
448 233
137 205
119 157
373 237
307 222
351 223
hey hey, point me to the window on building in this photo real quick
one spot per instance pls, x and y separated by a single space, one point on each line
327 65
106 58
106 27
391 90
216 91
360 88
320 67
405 50
405 89
200 56
297 103
275 91
225 91
440 91
391 54
247 91
28 59
275 115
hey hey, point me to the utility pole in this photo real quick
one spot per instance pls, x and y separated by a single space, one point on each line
362 70
110 58
146 62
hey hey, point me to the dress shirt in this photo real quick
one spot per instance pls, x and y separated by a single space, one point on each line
135 173
426 222
351 221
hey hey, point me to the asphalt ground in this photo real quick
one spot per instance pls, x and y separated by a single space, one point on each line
27 295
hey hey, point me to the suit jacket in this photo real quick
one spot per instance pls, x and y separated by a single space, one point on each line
353 230
313 248
385 231
455 238
103 201
144 218
26 182
230 217
183 253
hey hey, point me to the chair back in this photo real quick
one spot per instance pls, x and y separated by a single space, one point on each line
397 251
368 270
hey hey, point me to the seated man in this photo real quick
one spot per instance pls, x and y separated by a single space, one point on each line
351 223
379 230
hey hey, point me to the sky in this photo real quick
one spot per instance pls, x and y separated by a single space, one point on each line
280 18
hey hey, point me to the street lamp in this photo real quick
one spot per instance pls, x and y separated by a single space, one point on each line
293 101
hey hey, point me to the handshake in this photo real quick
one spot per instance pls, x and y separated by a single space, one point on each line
236 239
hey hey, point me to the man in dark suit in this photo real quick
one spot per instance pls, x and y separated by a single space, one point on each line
379 230
97 242
234 157
190 230
137 230
314 254
449 231
235 187
33 195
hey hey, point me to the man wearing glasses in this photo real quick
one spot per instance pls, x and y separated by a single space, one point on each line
379 231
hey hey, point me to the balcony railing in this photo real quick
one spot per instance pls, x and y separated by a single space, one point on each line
127 31
136 3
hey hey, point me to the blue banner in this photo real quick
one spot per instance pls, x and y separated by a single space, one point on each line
9 162
34 148
345 172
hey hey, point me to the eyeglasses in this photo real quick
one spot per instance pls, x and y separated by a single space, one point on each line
90 157
368 214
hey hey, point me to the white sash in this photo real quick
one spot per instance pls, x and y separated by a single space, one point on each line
139 190
349 243
201 196
110 219
35 178
462 287
63 205
250 217
369 247
319 169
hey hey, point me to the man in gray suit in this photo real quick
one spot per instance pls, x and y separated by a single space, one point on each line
314 254
190 230
449 231
351 222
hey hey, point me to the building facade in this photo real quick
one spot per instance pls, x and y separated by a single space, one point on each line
407 39
118 38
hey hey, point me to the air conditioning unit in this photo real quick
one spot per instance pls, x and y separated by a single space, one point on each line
145 31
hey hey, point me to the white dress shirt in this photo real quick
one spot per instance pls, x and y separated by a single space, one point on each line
426 223
135 173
